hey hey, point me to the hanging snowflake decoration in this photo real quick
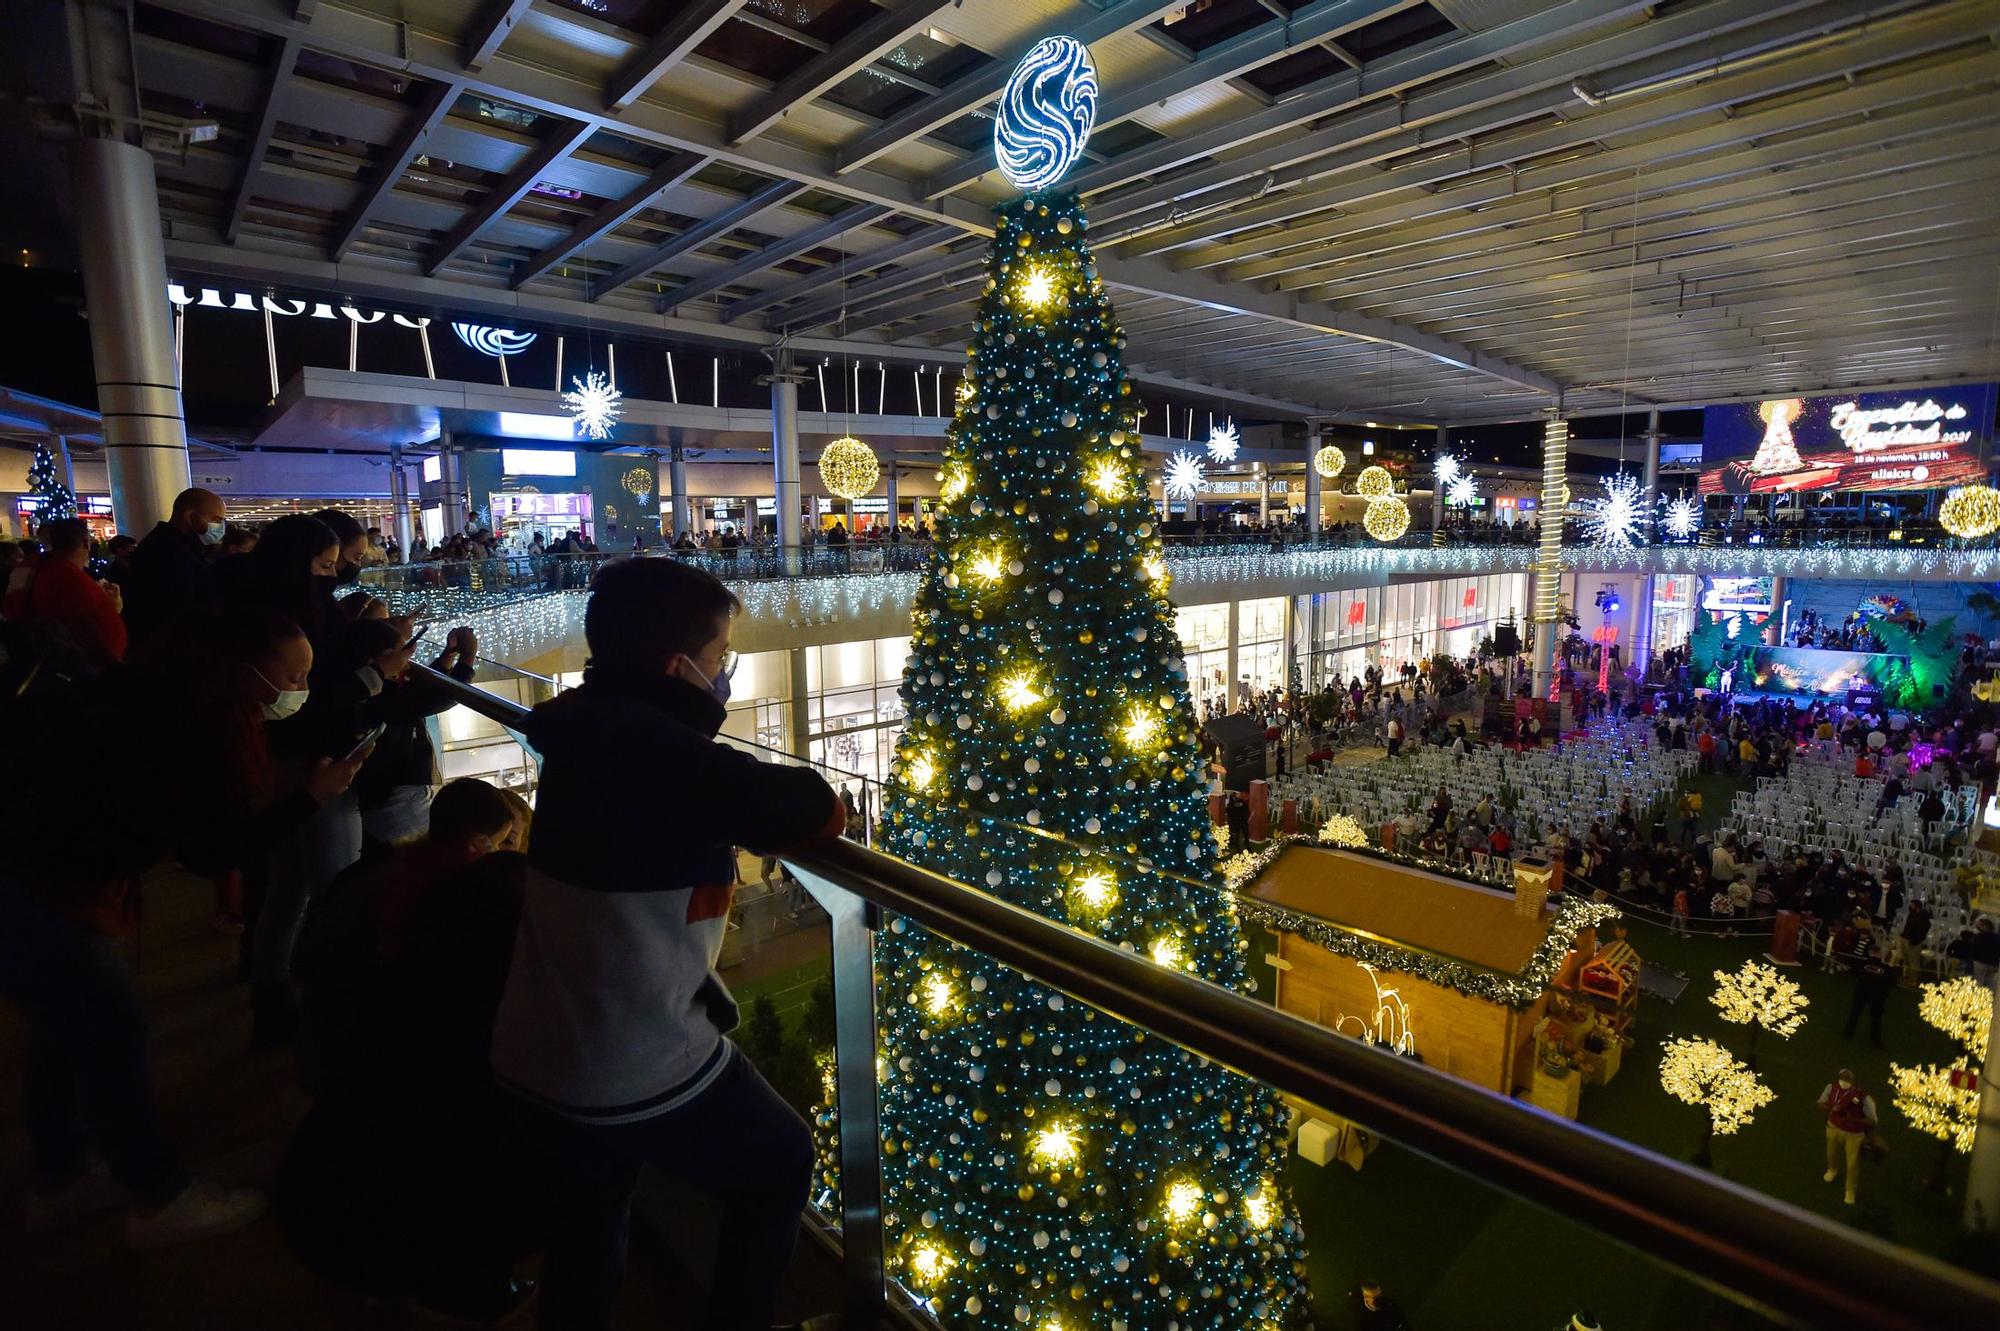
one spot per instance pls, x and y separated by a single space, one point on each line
1185 476
1461 490
1682 518
1446 468
1613 521
593 405
1222 443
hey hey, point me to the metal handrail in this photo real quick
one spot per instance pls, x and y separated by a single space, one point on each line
1791 1266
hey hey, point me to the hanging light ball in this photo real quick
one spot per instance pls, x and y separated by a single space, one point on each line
1329 462
848 468
638 483
1374 482
1971 511
1387 518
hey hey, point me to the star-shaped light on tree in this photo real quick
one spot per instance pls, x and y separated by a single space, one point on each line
1222 443
1613 521
1185 476
1461 490
593 405
1682 518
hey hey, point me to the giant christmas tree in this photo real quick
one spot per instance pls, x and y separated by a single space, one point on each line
46 483
1046 1166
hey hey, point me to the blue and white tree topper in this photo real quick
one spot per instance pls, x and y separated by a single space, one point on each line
1046 112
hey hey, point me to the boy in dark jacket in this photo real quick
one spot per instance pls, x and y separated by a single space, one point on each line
613 1023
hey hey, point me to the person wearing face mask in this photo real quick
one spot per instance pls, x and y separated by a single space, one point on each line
187 728
353 540
172 574
292 572
613 1025
64 597
406 1180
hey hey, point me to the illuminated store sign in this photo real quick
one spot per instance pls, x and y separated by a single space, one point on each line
210 298
1867 441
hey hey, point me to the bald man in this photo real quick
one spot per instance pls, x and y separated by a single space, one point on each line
171 577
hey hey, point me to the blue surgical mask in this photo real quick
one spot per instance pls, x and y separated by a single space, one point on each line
213 533
718 688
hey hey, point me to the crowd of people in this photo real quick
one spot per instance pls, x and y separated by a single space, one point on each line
501 1018
1852 634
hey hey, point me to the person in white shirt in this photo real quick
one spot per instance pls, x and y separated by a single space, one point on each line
1877 741
1987 742
1722 861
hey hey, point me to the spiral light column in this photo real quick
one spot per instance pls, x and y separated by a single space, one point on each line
1548 559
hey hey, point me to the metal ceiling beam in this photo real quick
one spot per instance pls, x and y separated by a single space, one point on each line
915 243
430 111
279 74
555 145
610 216
1357 173
861 214
666 48
874 35
980 86
495 20
1225 60
824 310
1464 218
700 233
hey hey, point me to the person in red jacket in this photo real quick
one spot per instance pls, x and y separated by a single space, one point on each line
64 594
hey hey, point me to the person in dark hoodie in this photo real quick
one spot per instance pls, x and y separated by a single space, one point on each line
613 1024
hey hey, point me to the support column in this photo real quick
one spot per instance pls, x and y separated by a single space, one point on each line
677 477
1263 495
1437 490
785 461
1642 613
399 501
1774 627
131 329
798 706
1548 559
1982 1186
1231 668
895 502
1314 482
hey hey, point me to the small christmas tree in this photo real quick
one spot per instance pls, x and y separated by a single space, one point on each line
46 483
1703 1074
1775 451
1756 996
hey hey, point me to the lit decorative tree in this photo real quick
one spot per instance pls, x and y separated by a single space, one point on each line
1704 1074
1944 1102
1755 995
46 483
1045 1166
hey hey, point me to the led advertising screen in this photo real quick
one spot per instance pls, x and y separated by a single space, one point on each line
1923 440
1828 674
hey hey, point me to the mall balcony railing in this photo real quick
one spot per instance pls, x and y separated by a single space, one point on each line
1719 1254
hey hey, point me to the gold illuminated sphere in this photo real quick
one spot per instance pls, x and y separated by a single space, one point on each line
1386 518
1971 511
638 483
1374 481
1329 462
848 468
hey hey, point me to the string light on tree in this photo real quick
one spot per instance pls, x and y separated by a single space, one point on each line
848 468
1037 290
594 405
1970 511
1329 462
1704 1074
1682 517
1943 1102
1374 481
1185 476
1223 443
1757 996
1386 518
1612 522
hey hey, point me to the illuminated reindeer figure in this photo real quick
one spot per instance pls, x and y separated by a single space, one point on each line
1391 1018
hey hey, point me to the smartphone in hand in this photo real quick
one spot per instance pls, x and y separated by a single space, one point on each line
367 742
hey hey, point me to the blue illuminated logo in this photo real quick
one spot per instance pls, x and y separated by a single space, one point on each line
1046 113
493 341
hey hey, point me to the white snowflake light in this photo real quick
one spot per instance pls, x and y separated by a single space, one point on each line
1682 518
593 405
1185 476
1613 521
1445 467
1461 490
1222 443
